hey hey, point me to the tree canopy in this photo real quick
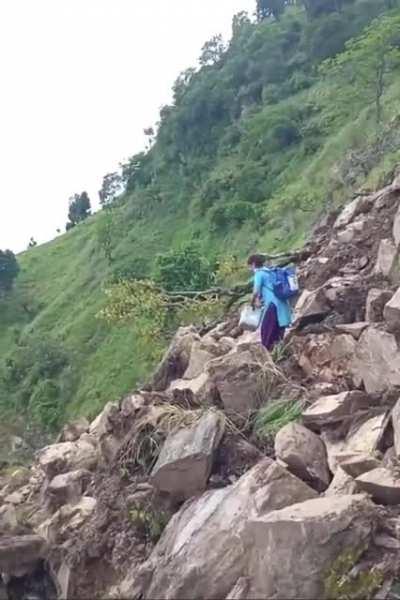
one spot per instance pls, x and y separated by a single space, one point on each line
9 269
79 209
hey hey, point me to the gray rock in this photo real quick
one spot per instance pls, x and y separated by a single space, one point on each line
382 484
376 301
351 211
396 228
353 329
175 360
241 378
67 456
358 463
8 519
333 409
202 553
73 431
68 488
387 263
376 361
304 453
396 427
391 312
341 485
20 555
186 459
293 549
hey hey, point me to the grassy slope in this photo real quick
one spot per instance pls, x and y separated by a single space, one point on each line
64 279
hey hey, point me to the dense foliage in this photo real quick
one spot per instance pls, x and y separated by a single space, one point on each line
294 113
9 269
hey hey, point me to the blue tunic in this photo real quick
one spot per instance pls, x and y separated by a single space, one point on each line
263 286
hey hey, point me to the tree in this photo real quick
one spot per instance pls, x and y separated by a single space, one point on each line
269 8
9 270
183 269
112 186
368 64
32 243
79 209
212 51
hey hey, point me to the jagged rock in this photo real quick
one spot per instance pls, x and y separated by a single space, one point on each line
396 427
304 453
331 409
201 553
387 542
8 519
15 480
326 357
396 228
357 464
67 456
19 496
73 431
311 306
186 459
64 576
240 378
341 485
353 329
176 359
387 261
293 549
376 361
67 520
391 312
20 555
376 301
382 484
201 353
101 425
362 438
240 590
191 388
352 210
68 487
347 235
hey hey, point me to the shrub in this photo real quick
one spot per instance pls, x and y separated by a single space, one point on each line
232 214
183 269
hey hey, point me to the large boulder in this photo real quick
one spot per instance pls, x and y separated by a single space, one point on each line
362 438
67 456
353 329
175 360
304 453
357 463
311 306
391 312
376 361
20 555
326 357
186 459
202 352
201 553
376 301
292 550
73 431
68 488
383 485
387 262
359 205
333 409
67 520
241 377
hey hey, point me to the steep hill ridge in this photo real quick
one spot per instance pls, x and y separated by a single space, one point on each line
256 144
175 493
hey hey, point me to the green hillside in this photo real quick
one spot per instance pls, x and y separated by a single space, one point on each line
260 140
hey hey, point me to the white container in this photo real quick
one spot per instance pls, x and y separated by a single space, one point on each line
250 318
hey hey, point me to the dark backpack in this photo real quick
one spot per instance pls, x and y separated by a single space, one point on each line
285 284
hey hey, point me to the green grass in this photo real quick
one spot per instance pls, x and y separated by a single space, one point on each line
276 414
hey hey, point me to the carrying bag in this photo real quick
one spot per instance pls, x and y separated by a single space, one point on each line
250 318
286 284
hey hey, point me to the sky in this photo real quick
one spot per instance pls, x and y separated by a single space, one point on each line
80 80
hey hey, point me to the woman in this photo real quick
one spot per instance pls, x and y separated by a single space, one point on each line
277 313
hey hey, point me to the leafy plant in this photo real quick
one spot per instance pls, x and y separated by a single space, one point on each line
275 415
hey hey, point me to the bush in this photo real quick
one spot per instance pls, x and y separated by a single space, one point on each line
183 269
230 215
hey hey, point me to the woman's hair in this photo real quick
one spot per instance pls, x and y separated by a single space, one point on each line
257 260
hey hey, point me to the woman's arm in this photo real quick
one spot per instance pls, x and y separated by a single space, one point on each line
256 297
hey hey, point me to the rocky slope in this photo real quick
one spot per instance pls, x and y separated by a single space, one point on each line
171 494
